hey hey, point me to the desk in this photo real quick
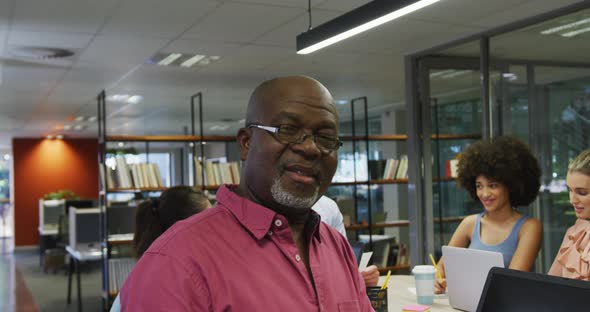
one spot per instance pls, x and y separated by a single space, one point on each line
76 256
398 295
47 240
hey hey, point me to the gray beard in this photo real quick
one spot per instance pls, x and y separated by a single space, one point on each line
281 196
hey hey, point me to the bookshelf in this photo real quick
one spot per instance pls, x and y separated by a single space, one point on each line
379 199
132 183
183 150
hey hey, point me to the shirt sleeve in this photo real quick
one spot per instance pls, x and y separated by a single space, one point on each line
161 283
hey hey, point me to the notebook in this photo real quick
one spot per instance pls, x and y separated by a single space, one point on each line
466 271
509 290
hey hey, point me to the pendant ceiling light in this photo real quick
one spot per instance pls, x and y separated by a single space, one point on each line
356 21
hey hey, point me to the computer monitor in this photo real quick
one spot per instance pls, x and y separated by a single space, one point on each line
121 219
509 290
49 213
81 203
84 227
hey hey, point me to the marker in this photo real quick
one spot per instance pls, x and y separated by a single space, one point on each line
435 266
386 280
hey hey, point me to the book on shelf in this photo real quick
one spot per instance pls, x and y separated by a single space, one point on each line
217 172
138 175
451 168
119 268
376 168
402 255
389 169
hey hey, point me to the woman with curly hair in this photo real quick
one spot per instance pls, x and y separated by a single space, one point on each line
573 257
501 173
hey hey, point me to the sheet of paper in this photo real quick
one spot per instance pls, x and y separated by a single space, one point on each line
365 260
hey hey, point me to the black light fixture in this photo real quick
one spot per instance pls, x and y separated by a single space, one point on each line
356 21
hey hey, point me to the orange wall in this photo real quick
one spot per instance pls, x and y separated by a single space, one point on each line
43 166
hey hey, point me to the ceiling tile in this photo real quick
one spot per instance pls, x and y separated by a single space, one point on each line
241 22
74 41
250 57
114 50
342 5
156 17
206 47
285 35
470 10
513 13
86 16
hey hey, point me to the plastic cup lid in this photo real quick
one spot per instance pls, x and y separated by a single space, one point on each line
423 269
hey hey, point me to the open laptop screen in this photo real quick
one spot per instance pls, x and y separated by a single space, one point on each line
509 290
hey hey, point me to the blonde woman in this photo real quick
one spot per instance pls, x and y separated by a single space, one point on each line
573 257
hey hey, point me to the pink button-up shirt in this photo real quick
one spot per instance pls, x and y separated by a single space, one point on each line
240 256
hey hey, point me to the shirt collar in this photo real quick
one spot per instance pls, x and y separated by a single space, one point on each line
256 218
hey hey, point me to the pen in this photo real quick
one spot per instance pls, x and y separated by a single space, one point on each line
386 280
435 267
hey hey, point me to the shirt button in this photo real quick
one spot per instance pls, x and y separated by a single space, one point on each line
297 257
269 233
278 223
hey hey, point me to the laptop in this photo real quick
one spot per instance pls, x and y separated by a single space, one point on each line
466 271
509 290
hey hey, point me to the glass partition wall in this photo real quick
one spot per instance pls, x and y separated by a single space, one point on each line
530 80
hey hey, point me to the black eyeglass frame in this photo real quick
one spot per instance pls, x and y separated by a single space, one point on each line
275 132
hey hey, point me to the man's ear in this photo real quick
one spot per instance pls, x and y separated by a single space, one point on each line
243 138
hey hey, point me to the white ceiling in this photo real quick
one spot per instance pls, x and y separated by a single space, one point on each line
112 39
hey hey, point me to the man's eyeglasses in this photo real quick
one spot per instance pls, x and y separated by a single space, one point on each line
288 134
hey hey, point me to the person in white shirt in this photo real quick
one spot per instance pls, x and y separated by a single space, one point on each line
331 215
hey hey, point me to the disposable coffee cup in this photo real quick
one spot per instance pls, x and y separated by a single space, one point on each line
424 276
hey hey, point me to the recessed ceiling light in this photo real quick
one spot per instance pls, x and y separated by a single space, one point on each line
218 127
67 127
575 32
118 97
49 137
182 59
341 102
79 127
126 98
121 144
92 118
59 136
192 61
564 27
509 76
79 118
169 59
134 99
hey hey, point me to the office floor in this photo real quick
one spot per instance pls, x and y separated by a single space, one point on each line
25 287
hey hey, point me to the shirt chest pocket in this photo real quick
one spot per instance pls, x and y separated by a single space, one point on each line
349 306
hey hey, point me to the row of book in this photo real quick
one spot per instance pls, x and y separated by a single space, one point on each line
139 175
388 169
216 172
399 255
119 268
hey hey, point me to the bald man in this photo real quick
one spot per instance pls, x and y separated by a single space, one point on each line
261 248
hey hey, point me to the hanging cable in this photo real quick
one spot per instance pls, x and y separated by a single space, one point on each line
309 13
